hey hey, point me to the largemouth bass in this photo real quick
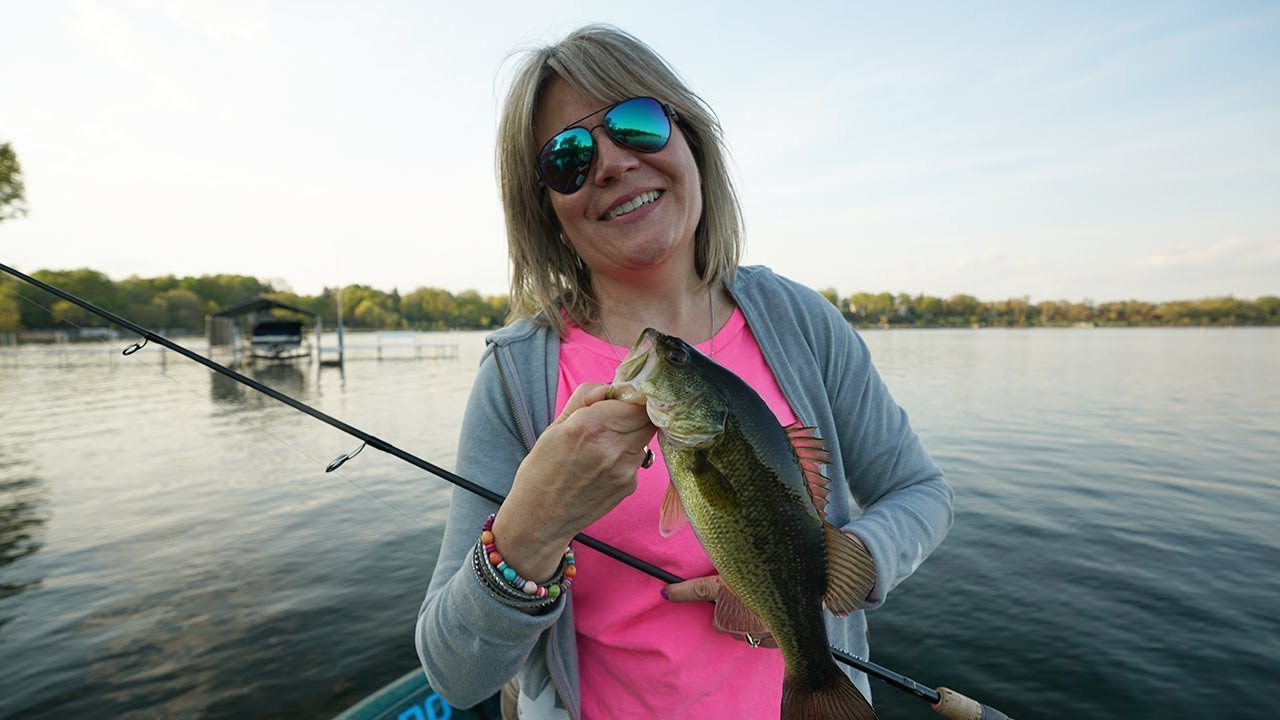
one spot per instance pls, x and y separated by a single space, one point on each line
754 495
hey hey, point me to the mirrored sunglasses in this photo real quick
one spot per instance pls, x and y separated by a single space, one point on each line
641 123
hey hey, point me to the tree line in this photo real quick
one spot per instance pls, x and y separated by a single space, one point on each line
903 310
181 304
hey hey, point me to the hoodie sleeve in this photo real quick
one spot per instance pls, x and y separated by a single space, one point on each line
471 644
906 502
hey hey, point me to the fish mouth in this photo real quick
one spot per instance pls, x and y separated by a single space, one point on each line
636 368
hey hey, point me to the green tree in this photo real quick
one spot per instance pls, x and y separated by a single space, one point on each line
13 191
473 310
366 307
869 309
1078 312
1050 312
45 311
136 290
220 292
963 309
148 314
10 312
182 309
904 311
930 310
500 308
428 308
66 312
368 313
1268 310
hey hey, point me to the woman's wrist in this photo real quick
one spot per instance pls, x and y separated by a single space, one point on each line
527 547
505 583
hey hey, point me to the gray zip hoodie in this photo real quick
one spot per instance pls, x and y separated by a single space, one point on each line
471 644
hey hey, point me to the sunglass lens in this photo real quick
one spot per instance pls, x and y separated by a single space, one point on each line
565 159
640 124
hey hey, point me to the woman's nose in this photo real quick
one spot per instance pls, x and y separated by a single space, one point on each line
612 159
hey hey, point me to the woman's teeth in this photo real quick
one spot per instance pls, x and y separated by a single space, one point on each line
642 199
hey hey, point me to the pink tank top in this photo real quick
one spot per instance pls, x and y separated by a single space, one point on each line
640 656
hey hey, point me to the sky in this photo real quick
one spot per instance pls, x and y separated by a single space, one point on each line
1066 151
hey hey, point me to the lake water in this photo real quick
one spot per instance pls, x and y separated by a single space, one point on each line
170 545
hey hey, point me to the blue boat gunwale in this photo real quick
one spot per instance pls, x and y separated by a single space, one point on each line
410 697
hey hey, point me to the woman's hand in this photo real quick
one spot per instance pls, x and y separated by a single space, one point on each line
709 588
582 466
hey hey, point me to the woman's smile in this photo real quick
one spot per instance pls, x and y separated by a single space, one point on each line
629 207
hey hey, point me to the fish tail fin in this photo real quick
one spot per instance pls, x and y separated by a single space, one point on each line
839 699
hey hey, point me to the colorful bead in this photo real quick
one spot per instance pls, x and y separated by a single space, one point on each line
552 590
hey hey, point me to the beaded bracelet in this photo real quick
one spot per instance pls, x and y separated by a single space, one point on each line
559 585
498 589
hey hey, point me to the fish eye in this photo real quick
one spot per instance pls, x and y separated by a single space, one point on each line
678 356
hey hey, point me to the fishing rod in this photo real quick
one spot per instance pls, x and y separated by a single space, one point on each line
945 702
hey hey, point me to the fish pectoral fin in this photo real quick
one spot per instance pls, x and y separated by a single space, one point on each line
851 571
672 516
731 616
714 486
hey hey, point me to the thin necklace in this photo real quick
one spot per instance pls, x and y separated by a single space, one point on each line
711 313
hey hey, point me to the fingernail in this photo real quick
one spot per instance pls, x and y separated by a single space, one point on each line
665 594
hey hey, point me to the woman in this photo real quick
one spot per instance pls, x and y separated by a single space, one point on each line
621 216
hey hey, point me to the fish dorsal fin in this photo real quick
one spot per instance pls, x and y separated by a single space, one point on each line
812 454
732 616
672 517
851 571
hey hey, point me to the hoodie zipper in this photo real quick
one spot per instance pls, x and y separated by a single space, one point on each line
551 675
511 403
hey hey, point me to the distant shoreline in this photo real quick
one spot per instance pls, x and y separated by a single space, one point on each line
182 304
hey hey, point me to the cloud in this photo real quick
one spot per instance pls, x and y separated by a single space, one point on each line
225 24
996 261
1230 252
107 31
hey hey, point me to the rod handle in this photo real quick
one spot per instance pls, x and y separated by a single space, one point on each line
955 706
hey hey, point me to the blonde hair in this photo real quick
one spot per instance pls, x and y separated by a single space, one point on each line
609 65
